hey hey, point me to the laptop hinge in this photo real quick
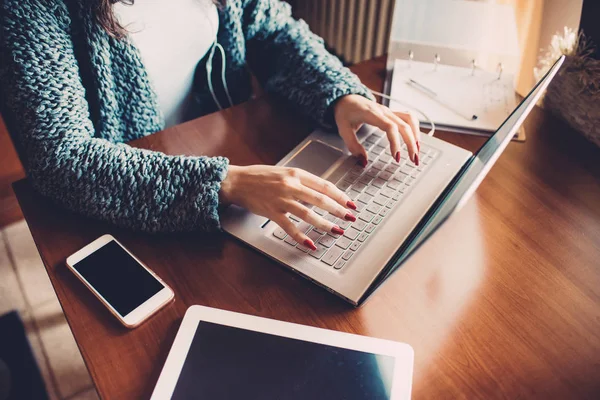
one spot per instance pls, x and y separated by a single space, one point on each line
406 249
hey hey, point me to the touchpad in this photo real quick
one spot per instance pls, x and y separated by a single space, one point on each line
315 157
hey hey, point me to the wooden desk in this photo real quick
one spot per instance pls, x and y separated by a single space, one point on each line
504 302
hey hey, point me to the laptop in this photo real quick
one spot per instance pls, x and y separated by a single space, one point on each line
399 204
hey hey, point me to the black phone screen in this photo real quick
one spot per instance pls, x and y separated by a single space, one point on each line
118 277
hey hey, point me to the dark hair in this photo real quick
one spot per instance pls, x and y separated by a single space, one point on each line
103 12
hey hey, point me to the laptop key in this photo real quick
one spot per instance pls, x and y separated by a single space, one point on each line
359 207
391 168
289 240
372 190
357 169
343 185
384 212
366 216
318 253
378 149
363 236
372 139
302 248
377 220
359 187
394 185
332 255
348 255
378 182
387 192
379 165
352 176
327 241
386 158
340 264
353 194
372 172
351 233
365 179
386 176
365 198
293 217
405 169
368 146
330 217
319 231
374 208
342 223
343 242
314 235
370 228
379 199
400 176
303 226
279 233
355 246
359 224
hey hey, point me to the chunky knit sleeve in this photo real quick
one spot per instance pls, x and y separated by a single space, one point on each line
292 62
42 90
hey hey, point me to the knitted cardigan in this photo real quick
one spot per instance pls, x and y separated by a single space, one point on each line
73 95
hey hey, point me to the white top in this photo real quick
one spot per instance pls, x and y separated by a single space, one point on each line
172 37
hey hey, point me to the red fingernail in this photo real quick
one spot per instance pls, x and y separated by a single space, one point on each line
397 156
362 161
417 160
309 243
350 204
350 217
337 230
418 146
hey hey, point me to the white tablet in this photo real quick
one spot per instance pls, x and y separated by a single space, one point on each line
226 355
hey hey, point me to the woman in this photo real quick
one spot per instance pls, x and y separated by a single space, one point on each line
82 77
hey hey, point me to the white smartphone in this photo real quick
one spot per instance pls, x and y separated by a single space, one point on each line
120 281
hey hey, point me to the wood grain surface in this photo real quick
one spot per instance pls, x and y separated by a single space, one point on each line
503 302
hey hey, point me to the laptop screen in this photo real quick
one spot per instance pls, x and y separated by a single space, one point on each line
466 182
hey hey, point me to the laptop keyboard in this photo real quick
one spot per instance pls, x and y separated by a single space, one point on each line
375 189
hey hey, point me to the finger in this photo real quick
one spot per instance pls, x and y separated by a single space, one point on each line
390 127
313 218
325 202
329 190
349 135
407 135
292 230
414 123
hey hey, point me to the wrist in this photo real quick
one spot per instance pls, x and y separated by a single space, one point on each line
228 185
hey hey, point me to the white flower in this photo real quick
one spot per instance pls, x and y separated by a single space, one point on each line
560 44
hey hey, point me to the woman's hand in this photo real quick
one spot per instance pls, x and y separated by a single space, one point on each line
352 111
275 191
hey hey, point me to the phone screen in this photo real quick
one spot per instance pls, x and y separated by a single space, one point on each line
118 277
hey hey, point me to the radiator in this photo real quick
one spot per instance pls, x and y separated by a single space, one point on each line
355 30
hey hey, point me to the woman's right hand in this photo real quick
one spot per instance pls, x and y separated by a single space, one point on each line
273 192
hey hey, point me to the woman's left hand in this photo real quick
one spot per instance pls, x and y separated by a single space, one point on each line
352 111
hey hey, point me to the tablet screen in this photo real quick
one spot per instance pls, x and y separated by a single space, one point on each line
233 363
